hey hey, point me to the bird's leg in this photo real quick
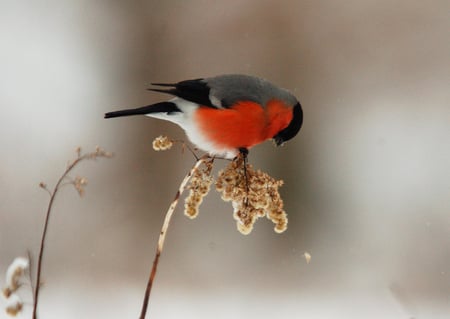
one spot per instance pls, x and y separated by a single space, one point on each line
244 153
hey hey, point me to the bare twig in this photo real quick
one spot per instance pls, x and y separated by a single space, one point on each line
94 155
162 234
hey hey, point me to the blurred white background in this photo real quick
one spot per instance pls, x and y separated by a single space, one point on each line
367 180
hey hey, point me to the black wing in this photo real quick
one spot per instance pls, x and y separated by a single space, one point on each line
196 91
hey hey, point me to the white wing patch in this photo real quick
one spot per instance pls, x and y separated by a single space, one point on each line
215 101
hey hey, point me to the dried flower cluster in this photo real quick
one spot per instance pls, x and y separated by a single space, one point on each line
253 193
80 183
199 187
13 275
162 143
307 257
99 152
252 197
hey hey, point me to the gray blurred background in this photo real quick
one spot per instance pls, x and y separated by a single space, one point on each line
367 180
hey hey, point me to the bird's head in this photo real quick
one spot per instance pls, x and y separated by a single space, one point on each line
292 129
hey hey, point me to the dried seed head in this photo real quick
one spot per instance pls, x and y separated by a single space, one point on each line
244 229
80 183
6 292
307 257
252 197
100 152
191 210
199 187
14 305
162 143
13 274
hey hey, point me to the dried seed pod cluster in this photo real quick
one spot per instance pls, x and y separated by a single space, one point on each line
162 143
80 183
199 187
252 193
14 274
252 197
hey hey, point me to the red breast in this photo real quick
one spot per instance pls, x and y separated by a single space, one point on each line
245 124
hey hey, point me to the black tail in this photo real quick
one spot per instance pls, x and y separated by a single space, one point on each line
162 107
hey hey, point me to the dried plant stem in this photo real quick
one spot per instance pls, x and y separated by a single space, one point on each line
70 166
44 234
162 234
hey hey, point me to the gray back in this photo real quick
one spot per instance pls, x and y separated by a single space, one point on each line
231 88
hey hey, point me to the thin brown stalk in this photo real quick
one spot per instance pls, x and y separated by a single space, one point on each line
70 166
162 234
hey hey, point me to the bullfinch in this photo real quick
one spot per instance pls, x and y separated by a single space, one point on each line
226 114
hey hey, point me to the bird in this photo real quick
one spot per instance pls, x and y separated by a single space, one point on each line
227 114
